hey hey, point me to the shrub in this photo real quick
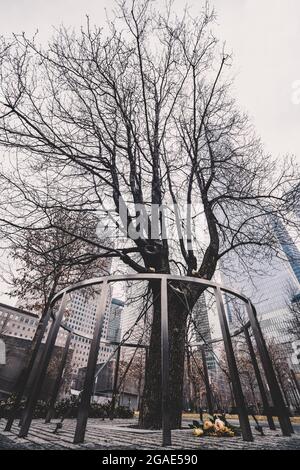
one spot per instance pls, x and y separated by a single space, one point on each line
67 408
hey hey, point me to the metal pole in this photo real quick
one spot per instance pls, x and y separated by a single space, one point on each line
284 392
58 380
25 374
115 385
166 428
274 388
207 384
233 404
233 370
259 380
41 370
84 406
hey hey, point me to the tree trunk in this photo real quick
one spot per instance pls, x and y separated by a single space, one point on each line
151 416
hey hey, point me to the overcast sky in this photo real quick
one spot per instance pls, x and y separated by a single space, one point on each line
264 36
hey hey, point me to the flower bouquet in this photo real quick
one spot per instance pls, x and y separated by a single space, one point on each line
216 426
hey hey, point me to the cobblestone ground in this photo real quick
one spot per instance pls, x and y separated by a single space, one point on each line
120 434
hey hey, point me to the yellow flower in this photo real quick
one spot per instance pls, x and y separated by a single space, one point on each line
219 425
198 432
207 425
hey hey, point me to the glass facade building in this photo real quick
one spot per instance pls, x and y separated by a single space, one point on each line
272 287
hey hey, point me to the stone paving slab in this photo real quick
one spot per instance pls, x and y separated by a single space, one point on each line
120 434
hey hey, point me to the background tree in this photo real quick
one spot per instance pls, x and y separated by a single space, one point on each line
141 113
131 375
48 259
51 258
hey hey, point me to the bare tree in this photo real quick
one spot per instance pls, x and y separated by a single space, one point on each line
132 374
141 114
51 258
294 326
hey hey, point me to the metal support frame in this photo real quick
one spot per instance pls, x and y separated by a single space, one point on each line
275 391
165 351
259 380
84 406
233 370
58 380
41 370
25 374
207 384
284 392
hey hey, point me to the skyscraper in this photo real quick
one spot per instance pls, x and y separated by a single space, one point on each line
272 287
82 320
288 246
202 329
136 315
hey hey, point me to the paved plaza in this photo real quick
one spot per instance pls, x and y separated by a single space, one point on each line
122 434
